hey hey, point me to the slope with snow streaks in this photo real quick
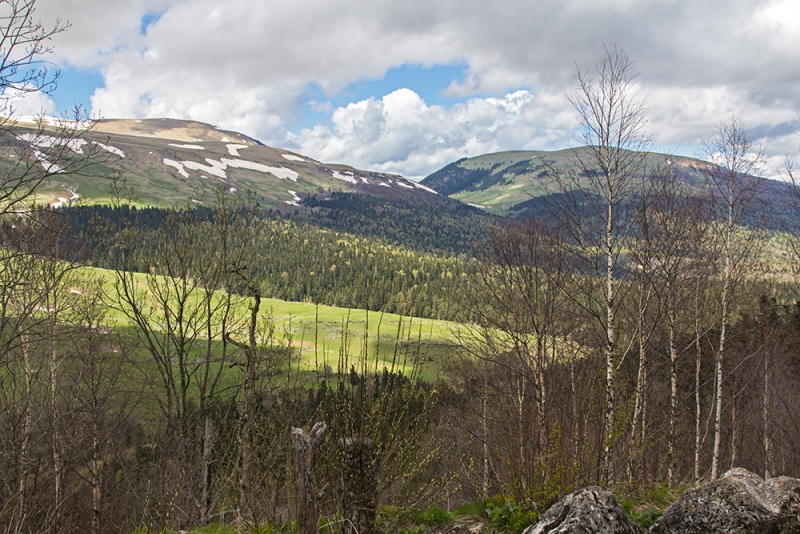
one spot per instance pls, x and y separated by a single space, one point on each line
168 162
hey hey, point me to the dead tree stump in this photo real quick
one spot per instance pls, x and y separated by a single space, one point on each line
304 446
360 485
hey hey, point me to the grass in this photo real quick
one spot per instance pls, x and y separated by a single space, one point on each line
320 334
644 508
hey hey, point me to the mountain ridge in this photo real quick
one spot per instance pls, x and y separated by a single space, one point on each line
169 162
518 182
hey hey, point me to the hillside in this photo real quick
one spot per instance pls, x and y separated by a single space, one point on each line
171 163
518 182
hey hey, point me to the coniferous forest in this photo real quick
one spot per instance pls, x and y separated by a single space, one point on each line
628 335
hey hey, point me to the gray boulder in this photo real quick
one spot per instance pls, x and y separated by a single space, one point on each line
591 511
739 502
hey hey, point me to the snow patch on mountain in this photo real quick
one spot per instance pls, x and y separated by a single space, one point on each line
292 157
190 147
56 122
109 148
425 188
280 172
214 167
295 201
178 165
47 141
344 177
233 149
218 168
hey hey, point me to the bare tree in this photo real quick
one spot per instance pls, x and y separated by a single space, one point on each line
183 322
591 200
23 42
671 222
733 186
33 152
515 302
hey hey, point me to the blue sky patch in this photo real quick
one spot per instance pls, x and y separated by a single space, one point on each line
148 20
75 87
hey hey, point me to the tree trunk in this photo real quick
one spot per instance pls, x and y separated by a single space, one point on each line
523 464
723 337
541 405
485 437
22 488
673 368
57 439
698 407
95 475
245 497
766 411
205 468
641 385
304 446
360 485
608 436
734 433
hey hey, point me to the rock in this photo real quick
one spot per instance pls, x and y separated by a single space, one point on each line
739 502
591 510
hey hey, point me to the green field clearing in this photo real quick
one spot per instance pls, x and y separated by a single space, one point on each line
322 335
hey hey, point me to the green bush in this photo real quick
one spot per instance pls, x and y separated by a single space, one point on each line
474 509
506 515
435 515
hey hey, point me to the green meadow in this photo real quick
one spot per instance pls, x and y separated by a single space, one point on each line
323 337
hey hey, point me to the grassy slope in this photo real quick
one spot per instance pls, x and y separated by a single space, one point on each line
321 333
147 143
501 180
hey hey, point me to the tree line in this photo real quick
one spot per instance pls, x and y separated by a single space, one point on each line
293 261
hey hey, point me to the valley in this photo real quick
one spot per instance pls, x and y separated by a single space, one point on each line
194 294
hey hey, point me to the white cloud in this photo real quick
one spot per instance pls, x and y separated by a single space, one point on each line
19 103
401 134
246 65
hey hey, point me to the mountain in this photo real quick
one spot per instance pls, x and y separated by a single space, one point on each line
170 163
519 182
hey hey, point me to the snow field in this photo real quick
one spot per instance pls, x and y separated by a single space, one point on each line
295 201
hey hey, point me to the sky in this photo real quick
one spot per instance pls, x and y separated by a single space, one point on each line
408 86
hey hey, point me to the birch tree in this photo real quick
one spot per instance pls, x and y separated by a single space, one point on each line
733 186
591 199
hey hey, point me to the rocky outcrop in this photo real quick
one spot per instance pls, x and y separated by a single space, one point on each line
740 502
590 510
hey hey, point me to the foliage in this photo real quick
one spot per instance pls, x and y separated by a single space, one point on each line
440 225
503 513
435 515
301 262
645 507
